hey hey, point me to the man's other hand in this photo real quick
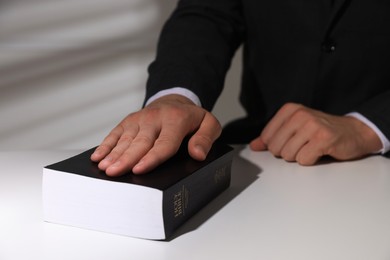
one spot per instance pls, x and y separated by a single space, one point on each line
297 133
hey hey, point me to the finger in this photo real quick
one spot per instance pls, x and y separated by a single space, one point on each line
107 145
166 145
309 154
287 134
280 138
258 144
290 150
122 145
168 142
278 120
140 145
200 143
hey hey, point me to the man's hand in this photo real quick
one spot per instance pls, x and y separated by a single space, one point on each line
297 133
147 138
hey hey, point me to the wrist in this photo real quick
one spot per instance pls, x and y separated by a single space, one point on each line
369 140
171 98
175 90
384 140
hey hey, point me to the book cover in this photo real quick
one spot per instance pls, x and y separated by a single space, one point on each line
151 206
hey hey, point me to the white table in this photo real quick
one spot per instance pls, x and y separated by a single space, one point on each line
274 210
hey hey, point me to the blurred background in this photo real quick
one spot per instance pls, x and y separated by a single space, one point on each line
70 70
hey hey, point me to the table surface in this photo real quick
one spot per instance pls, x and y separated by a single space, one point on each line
273 210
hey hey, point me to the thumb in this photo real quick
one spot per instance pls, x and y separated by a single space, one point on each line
201 141
257 144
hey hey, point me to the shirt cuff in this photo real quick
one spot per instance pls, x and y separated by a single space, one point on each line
382 137
178 91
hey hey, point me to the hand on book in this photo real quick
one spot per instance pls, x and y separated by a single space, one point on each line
297 133
147 138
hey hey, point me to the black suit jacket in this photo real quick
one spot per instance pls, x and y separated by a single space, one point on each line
332 58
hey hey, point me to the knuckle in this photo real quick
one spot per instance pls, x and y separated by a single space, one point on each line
113 155
287 155
150 114
105 147
291 106
113 136
312 123
325 135
127 121
304 113
204 139
306 160
126 138
309 155
143 140
212 126
177 112
265 137
287 106
274 150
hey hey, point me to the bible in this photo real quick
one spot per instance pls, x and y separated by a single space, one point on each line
150 206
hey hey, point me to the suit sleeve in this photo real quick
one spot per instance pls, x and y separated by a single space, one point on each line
195 48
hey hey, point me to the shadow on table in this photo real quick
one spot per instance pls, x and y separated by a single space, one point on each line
244 173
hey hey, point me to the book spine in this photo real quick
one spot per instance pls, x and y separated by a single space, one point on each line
184 199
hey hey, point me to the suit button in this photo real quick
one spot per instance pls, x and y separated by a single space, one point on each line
328 46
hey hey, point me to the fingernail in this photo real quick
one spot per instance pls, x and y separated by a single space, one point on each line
200 150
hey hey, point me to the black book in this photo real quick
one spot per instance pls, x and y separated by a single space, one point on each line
150 206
